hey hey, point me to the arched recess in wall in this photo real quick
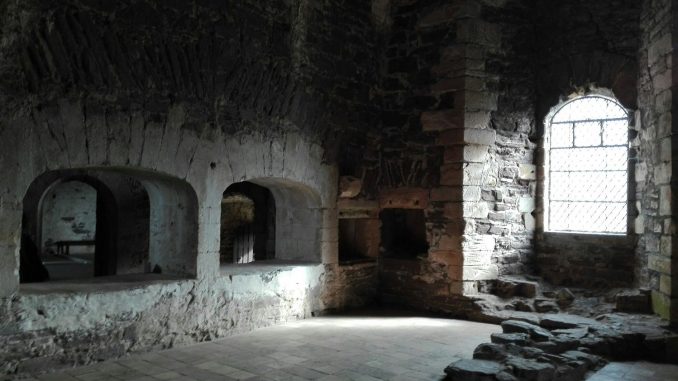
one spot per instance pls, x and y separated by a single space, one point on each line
586 166
145 222
268 219
613 75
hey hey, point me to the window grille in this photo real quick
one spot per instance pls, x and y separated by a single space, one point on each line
587 167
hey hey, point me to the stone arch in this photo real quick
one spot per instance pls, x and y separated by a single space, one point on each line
298 219
31 242
170 244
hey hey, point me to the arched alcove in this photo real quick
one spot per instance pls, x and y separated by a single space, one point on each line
270 218
587 206
144 223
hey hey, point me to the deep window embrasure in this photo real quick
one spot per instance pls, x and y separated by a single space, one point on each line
587 150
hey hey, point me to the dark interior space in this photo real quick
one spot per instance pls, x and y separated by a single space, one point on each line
403 233
247 224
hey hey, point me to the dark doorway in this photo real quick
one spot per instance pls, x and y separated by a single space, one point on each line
247 224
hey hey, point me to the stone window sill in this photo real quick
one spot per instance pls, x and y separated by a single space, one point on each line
263 266
358 262
587 234
98 284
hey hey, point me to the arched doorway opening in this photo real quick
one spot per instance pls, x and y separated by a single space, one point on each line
83 223
270 219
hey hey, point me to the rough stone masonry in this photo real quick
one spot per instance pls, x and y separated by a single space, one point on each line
349 112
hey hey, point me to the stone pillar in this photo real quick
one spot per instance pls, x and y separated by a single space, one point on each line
655 172
479 38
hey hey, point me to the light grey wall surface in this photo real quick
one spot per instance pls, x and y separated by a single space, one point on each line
69 214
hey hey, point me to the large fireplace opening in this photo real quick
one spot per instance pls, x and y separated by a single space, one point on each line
403 233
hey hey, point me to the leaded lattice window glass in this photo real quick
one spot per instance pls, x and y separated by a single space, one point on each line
587 151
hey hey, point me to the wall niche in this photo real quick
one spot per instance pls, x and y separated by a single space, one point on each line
403 233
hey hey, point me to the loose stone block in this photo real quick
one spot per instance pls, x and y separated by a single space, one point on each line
545 306
510 338
556 321
575 333
531 370
490 351
590 359
536 332
473 370
633 301
507 288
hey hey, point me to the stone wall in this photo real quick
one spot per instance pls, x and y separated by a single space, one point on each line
47 327
189 98
457 99
654 169
500 96
585 260
69 214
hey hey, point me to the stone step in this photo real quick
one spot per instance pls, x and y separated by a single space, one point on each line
473 370
512 287
633 301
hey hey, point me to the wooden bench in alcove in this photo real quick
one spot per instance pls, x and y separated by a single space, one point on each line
64 247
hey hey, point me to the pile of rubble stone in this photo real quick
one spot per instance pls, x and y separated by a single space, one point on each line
556 347
561 334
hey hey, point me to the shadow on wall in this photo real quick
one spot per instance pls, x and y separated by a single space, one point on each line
270 218
142 222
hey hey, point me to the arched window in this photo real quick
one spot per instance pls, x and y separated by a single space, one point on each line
587 167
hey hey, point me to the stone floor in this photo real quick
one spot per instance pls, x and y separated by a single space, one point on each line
327 348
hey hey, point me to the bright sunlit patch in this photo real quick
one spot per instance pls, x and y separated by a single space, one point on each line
375 323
